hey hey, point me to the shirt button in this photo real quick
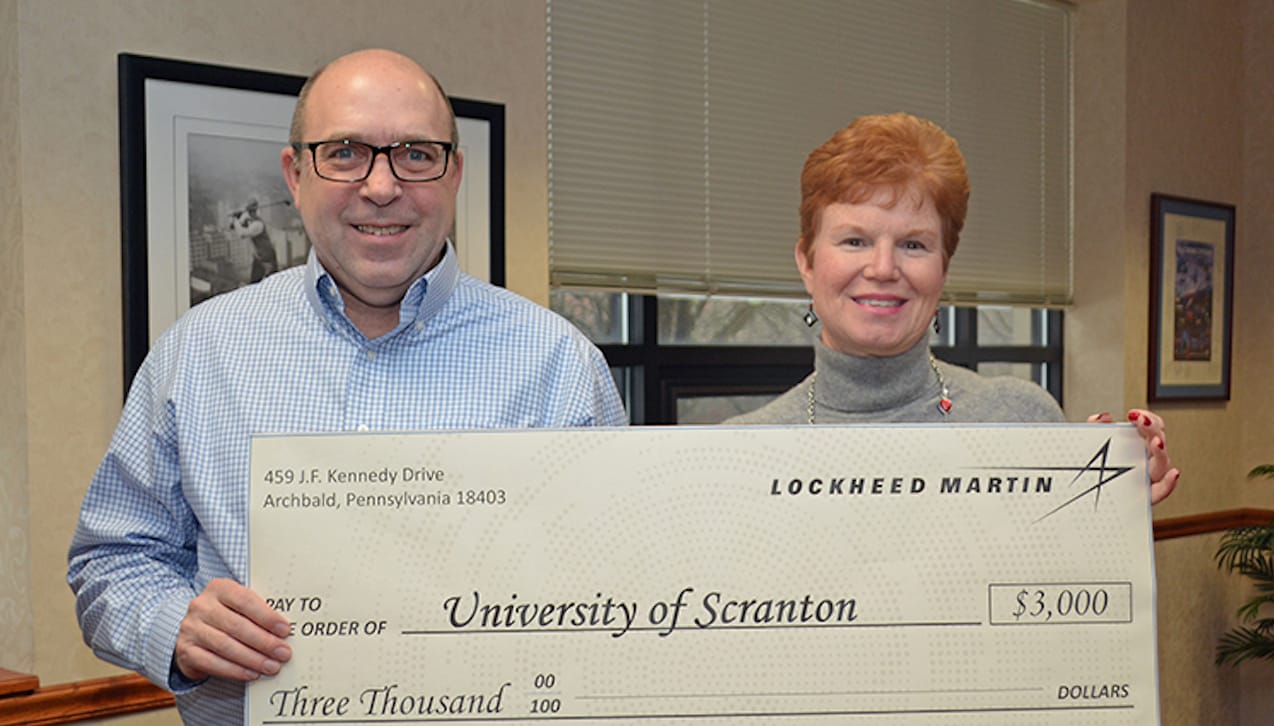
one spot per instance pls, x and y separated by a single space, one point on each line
371 355
420 325
363 427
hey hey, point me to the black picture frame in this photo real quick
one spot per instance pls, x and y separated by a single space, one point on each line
142 79
1191 299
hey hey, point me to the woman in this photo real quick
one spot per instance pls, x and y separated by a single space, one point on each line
882 205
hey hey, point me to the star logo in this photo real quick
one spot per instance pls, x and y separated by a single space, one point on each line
1098 472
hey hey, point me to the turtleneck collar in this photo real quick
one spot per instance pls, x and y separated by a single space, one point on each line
853 384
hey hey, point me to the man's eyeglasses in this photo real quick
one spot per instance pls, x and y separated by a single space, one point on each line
352 161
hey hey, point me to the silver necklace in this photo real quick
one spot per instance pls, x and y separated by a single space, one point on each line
944 403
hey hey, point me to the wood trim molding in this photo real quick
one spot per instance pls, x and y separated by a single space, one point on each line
13 683
81 700
1209 522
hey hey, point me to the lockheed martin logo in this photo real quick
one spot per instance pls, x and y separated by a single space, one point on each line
1097 473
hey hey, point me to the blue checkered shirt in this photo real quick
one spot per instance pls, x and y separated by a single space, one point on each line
166 510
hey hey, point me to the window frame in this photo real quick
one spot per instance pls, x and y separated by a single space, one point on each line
653 376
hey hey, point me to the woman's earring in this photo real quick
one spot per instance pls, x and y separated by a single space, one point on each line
810 318
937 323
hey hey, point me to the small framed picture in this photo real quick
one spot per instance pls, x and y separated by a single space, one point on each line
1191 299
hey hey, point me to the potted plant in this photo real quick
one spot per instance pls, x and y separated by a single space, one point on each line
1250 551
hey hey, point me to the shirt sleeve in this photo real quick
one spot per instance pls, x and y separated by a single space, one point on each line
607 404
132 560
594 400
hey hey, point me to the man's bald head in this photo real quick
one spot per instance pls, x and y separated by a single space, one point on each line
370 59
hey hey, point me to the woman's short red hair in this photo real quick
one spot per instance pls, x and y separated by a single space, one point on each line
895 151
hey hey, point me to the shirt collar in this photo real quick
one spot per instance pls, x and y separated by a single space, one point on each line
423 299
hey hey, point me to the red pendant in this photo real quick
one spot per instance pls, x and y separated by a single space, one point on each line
945 404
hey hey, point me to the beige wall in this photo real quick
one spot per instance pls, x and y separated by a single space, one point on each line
1171 95
1176 96
1094 365
1184 137
15 605
1254 319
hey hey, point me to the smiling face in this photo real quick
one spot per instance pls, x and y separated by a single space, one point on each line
378 236
875 271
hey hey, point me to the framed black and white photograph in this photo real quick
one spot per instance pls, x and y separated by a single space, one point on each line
1191 299
204 207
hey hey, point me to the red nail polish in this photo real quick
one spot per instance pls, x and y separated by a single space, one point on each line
1161 443
1132 415
1145 420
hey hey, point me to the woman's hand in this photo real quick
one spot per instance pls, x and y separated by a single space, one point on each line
1163 475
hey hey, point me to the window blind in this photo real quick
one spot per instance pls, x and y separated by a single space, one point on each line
678 128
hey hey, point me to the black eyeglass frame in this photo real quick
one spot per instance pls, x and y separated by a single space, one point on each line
448 147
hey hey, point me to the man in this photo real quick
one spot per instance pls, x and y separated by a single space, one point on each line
248 225
379 330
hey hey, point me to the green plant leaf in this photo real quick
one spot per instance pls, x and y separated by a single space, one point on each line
1250 552
1243 545
1243 643
1259 567
1252 608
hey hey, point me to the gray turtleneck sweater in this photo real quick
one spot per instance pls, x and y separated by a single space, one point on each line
903 389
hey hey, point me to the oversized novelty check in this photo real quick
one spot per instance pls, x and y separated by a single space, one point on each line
847 575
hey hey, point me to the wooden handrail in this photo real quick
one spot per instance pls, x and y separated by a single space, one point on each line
1209 522
22 701
13 683
30 705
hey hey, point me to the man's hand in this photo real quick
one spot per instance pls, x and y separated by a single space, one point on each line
230 632
1163 475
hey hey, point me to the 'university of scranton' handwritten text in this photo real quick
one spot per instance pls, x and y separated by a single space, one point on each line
619 617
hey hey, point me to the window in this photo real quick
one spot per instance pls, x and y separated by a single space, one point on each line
699 360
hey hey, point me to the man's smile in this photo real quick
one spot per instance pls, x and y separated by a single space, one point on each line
379 230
